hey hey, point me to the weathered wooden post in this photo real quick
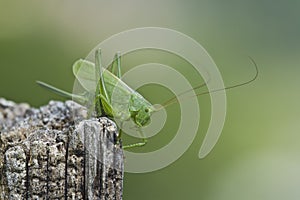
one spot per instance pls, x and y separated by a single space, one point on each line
54 153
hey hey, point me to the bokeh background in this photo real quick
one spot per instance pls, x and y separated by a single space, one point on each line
258 154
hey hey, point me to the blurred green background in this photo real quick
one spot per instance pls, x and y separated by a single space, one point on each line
258 154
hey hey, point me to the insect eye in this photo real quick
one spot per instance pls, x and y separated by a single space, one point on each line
146 110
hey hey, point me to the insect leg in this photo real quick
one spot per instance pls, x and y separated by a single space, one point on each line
139 144
107 107
102 99
98 106
117 63
120 131
98 65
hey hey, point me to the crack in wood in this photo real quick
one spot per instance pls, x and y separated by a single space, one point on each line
45 155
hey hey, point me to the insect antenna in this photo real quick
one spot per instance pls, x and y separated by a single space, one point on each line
175 99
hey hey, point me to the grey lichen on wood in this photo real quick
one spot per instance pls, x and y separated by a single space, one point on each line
54 153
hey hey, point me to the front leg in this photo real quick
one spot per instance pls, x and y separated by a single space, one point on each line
139 144
106 106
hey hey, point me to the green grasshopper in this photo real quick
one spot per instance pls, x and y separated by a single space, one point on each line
137 108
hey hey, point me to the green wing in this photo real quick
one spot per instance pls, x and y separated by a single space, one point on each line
119 93
84 71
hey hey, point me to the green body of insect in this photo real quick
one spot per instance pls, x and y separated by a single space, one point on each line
127 104
113 98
